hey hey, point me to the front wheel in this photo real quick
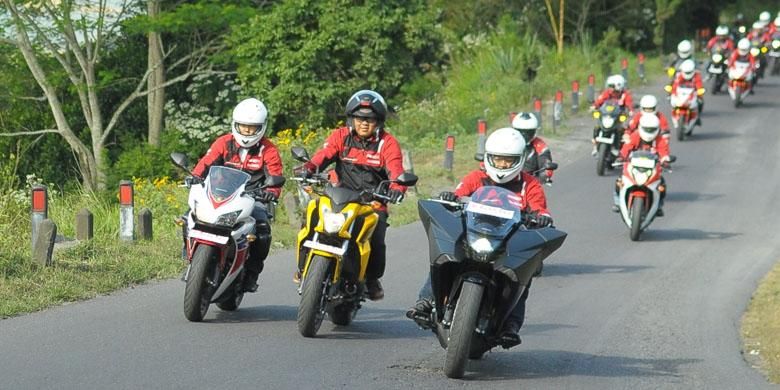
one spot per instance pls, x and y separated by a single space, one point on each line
602 159
463 324
311 311
637 208
680 129
200 286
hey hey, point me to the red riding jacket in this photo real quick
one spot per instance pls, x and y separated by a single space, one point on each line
260 160
634 123
538 155
525 186
660 145
623 98
725 45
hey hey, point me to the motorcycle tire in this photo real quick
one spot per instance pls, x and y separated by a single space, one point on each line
462 330
637 208
738 100
234 300
199 287
311 310
342 315
715 88
601 159
680 130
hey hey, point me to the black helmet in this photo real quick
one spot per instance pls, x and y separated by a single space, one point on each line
366 104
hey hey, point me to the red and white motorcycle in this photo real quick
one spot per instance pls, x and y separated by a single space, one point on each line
220 228
640 190
685 109
740 81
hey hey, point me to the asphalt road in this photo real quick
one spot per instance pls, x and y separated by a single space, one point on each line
607 313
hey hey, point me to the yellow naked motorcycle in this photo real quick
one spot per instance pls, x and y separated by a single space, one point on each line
333 247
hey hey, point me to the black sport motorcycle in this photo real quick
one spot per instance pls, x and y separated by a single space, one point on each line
483 256
610 117
716 70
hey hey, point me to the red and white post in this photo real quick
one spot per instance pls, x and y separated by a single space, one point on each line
126 204
449 152
481 136
39 210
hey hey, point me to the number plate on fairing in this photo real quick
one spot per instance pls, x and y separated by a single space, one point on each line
715 70
208 236
606 140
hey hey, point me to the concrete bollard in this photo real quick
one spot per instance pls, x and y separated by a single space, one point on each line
406 160
40 208
481 136
624 70
591 95
145 224
538 110
43 247
291 207
557 112
575 96
126 204
84 225
449 152
641 66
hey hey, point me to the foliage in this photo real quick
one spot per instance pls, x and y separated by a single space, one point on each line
304 58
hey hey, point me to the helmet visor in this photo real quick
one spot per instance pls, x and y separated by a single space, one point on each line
247 130
503 162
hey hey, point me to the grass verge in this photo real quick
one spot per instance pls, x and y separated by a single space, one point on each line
761 327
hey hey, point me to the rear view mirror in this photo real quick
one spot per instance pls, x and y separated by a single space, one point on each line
300 154
479 156
180 160
672 158
406 179
551 165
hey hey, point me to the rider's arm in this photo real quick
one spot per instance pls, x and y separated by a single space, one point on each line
662 147
272 164
469 184
629 146
213 156
393 160
330 150
544 155
601 98
534 196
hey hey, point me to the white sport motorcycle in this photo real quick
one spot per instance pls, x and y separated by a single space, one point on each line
220 228
740 81
640 193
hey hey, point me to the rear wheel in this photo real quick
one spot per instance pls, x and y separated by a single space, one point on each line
200 283
602 159
463 324
637 208
311 310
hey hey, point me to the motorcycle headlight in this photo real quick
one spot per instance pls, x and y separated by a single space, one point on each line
332 222
776 44
482 247
717 58
228 219
641 175
754 51
607 121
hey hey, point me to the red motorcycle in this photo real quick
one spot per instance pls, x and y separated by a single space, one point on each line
740 81
685 109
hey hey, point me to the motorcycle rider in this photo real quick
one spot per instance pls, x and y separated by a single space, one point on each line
742 54
766 19
505 154
246 148
645 139
537 152
648 104
691 78
365 154
721 42
615 91
739 28
760 33
684 52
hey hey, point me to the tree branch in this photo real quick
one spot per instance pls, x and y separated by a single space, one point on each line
19 133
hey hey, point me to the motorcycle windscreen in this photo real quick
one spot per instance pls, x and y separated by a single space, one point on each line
223 182
490 216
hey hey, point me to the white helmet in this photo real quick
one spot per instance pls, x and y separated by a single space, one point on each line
722 31
777 21
743 46
648 127
505 142
616 82
684 49
527 124
765 17
249 112
759 25
688 68
648 102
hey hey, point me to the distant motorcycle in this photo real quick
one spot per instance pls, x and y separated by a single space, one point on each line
639 194
773 63
758 51
716 71
610 117
740 81
685 106
483 254
219 229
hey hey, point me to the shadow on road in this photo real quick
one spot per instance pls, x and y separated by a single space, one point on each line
704 135
550 364
253 314
673 196
685 234
374 329
558 269
758 104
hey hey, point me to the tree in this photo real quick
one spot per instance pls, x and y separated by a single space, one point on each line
664 10
76 34
556 25
155 101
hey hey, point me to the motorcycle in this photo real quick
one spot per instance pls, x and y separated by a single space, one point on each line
740 81
685 109
610 119
758 51
217 236
774 55
483 257
640 190
333 247
716 71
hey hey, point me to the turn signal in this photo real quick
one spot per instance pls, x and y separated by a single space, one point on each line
308 189
668 88
700 91
661 188
596 114
619 182
764 49
622 118
670 71
376 205
179 221
251 237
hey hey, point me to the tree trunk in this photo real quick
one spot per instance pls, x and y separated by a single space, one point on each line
155 100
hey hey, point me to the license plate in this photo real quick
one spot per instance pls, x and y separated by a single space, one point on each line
715 70
208 236
774 53
327 248
605 140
